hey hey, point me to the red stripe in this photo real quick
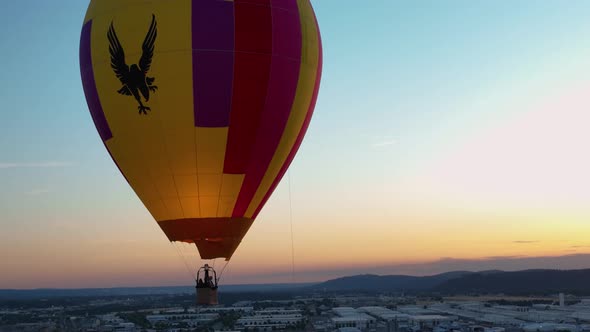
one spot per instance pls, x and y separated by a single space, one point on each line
284 76
251 76
301 133
253 26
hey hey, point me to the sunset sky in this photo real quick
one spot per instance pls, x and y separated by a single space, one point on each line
447 135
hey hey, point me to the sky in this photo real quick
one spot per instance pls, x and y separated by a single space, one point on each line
447 135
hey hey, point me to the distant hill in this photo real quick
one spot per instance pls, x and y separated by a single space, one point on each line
521 282
369 282
463 282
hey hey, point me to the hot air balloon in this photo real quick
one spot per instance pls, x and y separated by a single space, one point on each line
202 105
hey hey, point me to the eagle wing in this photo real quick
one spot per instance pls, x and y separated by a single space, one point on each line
148 46
118 64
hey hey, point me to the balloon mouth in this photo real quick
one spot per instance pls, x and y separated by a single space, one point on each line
215 239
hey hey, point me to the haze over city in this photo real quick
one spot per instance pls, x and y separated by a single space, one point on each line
446 136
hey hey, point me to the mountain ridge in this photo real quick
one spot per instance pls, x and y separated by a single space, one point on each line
534 281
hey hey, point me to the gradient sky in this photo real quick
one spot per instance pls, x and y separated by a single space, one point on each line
444 132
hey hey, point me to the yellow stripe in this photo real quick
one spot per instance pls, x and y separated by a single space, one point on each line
230 188
211 144
191 206
231 184
98 8
128 13
156 152
303 96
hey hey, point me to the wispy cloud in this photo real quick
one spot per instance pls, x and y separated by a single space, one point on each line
491 258
525 241
580 246
45 164
384 143
37 191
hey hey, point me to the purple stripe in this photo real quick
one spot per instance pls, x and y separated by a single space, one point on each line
213 73
286 27
213 61
213 25
89 84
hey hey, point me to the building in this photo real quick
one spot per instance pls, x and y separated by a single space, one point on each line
423 322
352 318
191 319
271 319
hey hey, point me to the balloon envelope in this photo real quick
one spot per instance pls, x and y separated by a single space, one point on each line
202 105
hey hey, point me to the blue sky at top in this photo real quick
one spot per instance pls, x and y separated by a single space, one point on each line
404 84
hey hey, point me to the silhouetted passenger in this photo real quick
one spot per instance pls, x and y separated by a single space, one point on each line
210 282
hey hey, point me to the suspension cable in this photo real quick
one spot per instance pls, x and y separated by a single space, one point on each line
183 259
291 222
222 270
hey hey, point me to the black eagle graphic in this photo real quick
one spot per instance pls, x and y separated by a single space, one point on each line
134 79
